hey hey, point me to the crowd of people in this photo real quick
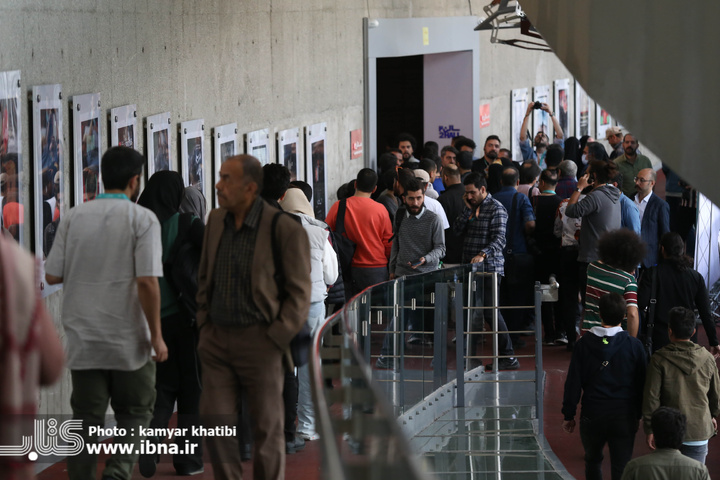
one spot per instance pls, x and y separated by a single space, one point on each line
200 310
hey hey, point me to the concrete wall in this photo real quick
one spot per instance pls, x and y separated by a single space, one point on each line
276 64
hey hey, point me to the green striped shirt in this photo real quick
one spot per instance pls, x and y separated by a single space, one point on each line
601 280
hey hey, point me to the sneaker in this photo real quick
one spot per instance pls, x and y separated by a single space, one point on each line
549 341
415 339
309 436
147 464
294 446
187 471
504 364
561 340
385 363
427 340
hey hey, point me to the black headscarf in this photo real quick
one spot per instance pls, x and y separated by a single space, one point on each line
163 194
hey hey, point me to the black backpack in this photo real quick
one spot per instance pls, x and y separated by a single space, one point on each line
181 267
343 246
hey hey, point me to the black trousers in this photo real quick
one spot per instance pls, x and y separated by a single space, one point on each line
568 294
618 433
178 379
290 396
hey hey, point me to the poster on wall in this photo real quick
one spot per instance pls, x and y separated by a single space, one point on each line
316 176
518 107
288 148
12 203
258 145
541 119
562 105
48 157
603 120
123 127
157 135
225 145
192 154
86 147
582 112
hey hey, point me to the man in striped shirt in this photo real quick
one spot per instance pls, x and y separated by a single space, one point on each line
620 253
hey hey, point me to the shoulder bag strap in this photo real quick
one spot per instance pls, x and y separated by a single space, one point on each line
510 229
651 307
340 222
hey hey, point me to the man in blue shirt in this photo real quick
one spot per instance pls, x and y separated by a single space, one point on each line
517 288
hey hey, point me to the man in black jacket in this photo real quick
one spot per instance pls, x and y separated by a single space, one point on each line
608 366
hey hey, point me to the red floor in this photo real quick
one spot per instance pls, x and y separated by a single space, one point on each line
306 464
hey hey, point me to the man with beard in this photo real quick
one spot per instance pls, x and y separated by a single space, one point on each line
108 255
630 163
418 246
483 222
615 138
406 143
490 153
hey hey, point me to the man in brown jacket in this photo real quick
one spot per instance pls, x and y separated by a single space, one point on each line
244 328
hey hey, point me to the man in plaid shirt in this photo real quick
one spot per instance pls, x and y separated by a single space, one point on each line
482 223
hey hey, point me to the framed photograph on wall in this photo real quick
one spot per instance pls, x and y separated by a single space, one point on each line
192 154
258 145
541 119
562 106
582 112
603 120
289 153
12 203
157 136
123 127
48 157
86 137
315 137
225 145
518 107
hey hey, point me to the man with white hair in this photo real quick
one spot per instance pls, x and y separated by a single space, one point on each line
567 183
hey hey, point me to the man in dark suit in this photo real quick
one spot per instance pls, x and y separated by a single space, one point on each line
245 327
654 215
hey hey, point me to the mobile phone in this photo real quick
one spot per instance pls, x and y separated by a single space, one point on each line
416 264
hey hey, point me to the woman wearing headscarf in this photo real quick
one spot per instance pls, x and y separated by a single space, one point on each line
177 379
676 285
194 202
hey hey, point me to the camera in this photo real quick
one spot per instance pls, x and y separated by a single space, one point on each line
537 105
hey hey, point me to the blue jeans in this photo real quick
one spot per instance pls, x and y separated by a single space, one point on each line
696 452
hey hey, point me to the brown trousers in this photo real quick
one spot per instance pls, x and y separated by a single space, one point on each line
243 357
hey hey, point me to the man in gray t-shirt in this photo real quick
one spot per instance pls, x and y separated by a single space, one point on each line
108 255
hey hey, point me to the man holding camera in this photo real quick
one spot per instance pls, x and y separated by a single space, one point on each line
541 140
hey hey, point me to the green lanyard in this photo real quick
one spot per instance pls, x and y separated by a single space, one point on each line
118 196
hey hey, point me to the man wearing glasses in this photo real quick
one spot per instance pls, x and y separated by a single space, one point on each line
654 215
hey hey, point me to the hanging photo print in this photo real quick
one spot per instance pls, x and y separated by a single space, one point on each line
258 145
582 112
158 143
316 177
288 148
12 203
123 127
192 154
562 105
48 152
86 147
518 109
225 145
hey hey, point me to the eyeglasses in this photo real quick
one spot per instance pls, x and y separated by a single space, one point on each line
642 180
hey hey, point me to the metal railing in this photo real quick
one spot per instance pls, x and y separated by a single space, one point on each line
369 416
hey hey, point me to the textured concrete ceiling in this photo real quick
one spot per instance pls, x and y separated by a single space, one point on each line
654 65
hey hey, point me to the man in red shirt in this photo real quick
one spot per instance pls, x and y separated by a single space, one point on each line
367 224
